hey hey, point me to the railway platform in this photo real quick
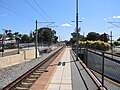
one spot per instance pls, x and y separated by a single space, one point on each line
65 73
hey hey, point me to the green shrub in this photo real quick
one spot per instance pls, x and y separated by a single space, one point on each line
10 45
100 45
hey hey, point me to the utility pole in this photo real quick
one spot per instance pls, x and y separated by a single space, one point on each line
36 40
111 41
76 30
3 37
2 44
36 36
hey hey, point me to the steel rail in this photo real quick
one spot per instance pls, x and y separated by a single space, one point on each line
13 84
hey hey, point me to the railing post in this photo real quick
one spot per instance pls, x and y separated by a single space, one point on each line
80 54
103 69
86 57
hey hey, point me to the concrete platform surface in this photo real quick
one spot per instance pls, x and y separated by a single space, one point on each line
65 73
62 75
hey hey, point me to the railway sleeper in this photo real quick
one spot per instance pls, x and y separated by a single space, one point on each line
26 83
21 88
37 73
34 76
41 69
31 79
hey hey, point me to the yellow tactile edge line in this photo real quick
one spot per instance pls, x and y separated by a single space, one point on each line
46 87
61 83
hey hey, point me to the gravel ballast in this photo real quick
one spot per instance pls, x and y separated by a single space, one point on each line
9 74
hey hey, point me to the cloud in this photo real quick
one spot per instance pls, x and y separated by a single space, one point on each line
66 25
105 19
116 17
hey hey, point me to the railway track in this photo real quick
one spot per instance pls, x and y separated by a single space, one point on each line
25 81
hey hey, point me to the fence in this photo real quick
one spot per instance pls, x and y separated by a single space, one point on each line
104 65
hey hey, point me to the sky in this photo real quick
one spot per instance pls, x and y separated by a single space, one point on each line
96 15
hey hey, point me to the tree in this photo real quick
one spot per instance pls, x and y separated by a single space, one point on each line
54 40
16 33
31 36
93 36
25 38
116 43
6 32
47 35
73 39
118 39
10 35
104 37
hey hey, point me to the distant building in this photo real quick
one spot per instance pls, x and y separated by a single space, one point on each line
6 40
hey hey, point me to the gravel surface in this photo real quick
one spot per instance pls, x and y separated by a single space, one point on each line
10 73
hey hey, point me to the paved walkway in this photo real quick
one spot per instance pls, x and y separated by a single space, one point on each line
44 80
62 76
67 75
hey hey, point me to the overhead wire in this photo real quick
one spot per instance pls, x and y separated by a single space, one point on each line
41 9
114 24
14 10
35 10
10 6
99 27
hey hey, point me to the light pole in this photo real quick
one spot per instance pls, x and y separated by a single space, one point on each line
36 36
76 30
36 40
2 44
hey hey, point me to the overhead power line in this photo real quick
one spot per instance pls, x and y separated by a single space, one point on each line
41 9
35 10
15 12
114 24
10 6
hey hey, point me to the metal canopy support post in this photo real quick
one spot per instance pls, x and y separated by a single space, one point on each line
2 45
18 46
76 30
103 69
36 40
17 42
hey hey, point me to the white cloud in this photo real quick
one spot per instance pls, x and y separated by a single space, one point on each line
116 17
105 19
66 25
